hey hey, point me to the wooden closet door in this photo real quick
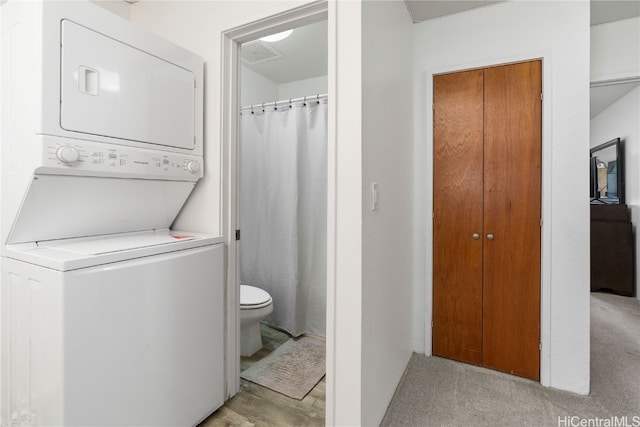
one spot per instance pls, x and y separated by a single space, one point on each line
512 194
457 200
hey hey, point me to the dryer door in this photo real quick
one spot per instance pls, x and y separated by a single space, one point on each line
63 207
112 89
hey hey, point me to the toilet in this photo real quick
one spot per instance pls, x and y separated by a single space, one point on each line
255 305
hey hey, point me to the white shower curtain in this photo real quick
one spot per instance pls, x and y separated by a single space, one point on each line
283 211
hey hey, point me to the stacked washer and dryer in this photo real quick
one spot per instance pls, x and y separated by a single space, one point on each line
109 317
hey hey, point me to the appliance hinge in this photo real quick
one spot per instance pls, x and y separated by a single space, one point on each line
540 346
541 96
433 214
433 106
237 234
432 324
541 222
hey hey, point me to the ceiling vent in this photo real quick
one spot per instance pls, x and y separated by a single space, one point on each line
257 51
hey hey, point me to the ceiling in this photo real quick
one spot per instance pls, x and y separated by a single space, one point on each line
602 11
423 10
304 53
604 96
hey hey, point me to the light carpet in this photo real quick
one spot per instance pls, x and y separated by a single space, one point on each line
292 369
441 392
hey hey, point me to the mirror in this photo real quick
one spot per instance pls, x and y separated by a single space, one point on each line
607 173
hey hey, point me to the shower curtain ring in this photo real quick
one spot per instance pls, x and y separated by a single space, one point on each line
290 106
304 102
318 98
263 107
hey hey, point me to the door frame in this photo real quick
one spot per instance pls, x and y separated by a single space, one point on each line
545 261
231 39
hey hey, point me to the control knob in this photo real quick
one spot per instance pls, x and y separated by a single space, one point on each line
67 154
193 166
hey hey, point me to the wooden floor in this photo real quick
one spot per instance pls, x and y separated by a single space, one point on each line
255 405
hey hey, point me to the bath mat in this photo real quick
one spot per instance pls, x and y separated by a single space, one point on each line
292 369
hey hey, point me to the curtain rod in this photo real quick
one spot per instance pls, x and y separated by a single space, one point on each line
305 99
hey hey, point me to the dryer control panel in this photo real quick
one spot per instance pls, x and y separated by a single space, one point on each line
76 157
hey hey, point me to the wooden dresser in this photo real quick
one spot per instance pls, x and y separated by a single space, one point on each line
612 261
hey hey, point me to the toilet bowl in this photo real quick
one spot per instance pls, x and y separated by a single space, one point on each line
255 305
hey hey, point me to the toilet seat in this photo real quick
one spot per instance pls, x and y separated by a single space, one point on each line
252 298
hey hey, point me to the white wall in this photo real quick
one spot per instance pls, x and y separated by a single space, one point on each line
558 32
370 303
387 233
344 293
622 119
256 88
615 50
298 88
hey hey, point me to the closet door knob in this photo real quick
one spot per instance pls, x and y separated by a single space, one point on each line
475 236
489 236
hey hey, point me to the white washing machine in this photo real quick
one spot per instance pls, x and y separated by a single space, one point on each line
117 330
108 317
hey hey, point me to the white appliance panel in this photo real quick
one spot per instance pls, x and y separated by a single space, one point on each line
85 252
137 342
59 206
101 159
144 336
109 244
112 89
32 345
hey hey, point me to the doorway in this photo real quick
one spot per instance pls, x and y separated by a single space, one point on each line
282 169
231 103
487 217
